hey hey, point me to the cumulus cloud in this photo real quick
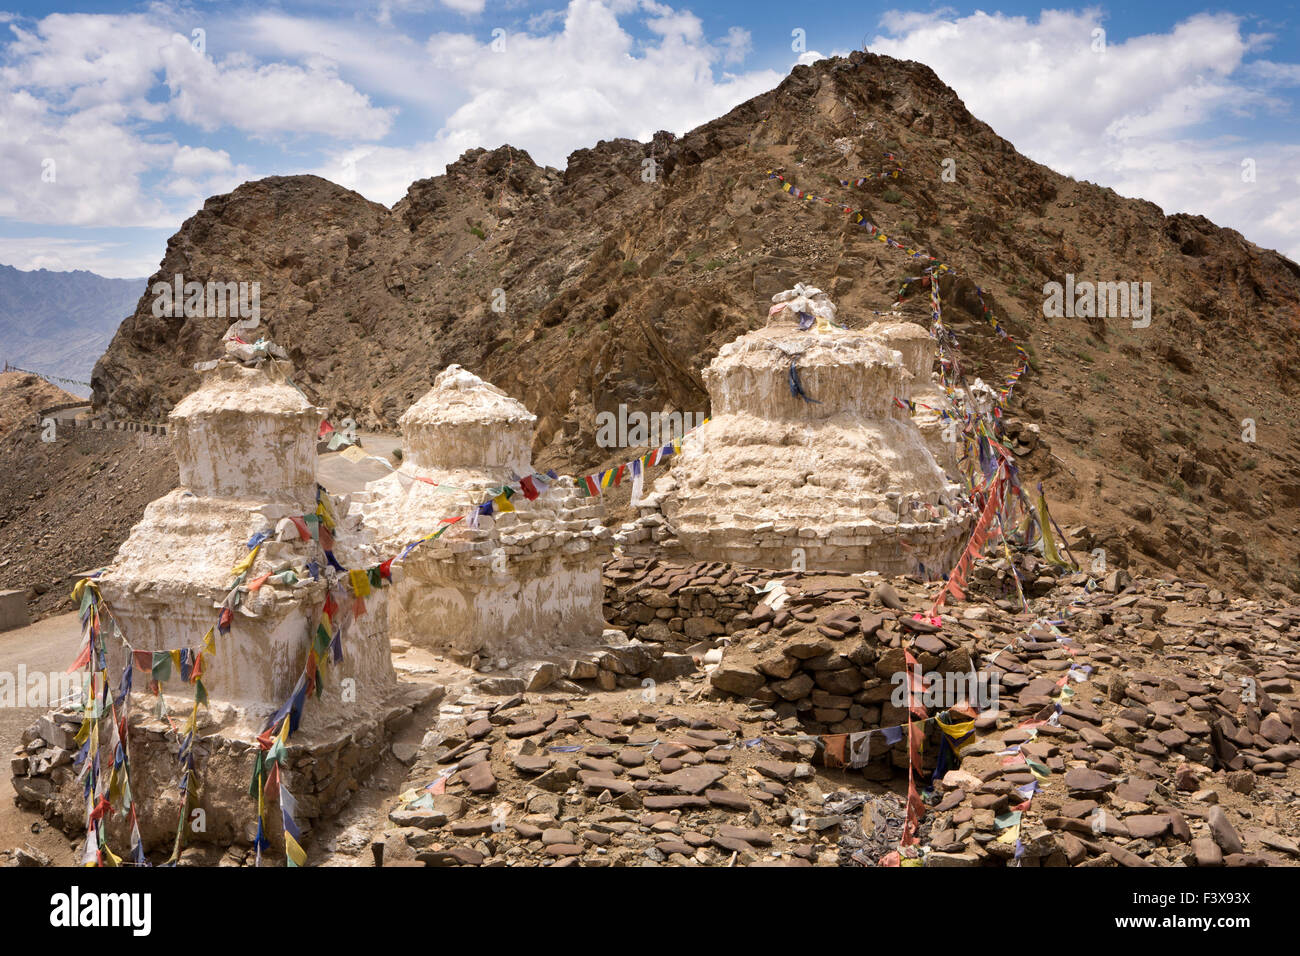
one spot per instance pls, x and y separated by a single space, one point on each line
1143 115
555 92
92 105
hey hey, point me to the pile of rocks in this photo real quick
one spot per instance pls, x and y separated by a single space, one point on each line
1178 741
678 605
526 782
624 664
325 774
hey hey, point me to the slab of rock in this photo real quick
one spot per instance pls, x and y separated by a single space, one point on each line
1225 835
782 772
674 803
1147 826
1082 780
479 778
727 799
537 763
1206 852
690 780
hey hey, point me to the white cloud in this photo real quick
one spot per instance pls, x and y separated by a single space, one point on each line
737 44
1142 117
554 93
91 106
65 255
272 99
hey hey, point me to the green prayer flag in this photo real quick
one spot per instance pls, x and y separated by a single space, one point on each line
162 666
259 768
276 753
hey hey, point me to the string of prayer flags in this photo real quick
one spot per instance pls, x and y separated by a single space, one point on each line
956 582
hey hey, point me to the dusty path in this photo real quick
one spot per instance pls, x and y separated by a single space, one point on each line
340 476
45 648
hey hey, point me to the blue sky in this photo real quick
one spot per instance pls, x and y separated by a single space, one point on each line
117 120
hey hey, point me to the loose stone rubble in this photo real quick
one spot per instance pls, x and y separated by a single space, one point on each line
521 582
1155 760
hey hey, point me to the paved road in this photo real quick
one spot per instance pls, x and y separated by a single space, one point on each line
340 476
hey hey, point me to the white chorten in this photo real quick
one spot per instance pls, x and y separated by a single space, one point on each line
918 350
839 480
245 442
522 581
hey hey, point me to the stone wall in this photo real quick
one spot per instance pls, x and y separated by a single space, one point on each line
678 605
827 662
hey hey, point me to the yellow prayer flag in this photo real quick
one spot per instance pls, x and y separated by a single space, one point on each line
243 566
326 513
293 851
503 503
360 583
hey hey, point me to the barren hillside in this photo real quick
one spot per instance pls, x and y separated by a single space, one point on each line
23 395
617 290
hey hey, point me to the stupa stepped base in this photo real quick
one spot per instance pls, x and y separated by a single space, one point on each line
934 548
853 495
533 606
171 575
325 766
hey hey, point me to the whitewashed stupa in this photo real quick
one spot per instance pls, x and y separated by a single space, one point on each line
245 443
919 351
837 477
522 581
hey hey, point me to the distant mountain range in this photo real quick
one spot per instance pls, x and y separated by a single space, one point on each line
59 323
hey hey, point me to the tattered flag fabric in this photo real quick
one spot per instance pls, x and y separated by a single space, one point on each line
836 745
293 851
796 386
860 748
161 667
